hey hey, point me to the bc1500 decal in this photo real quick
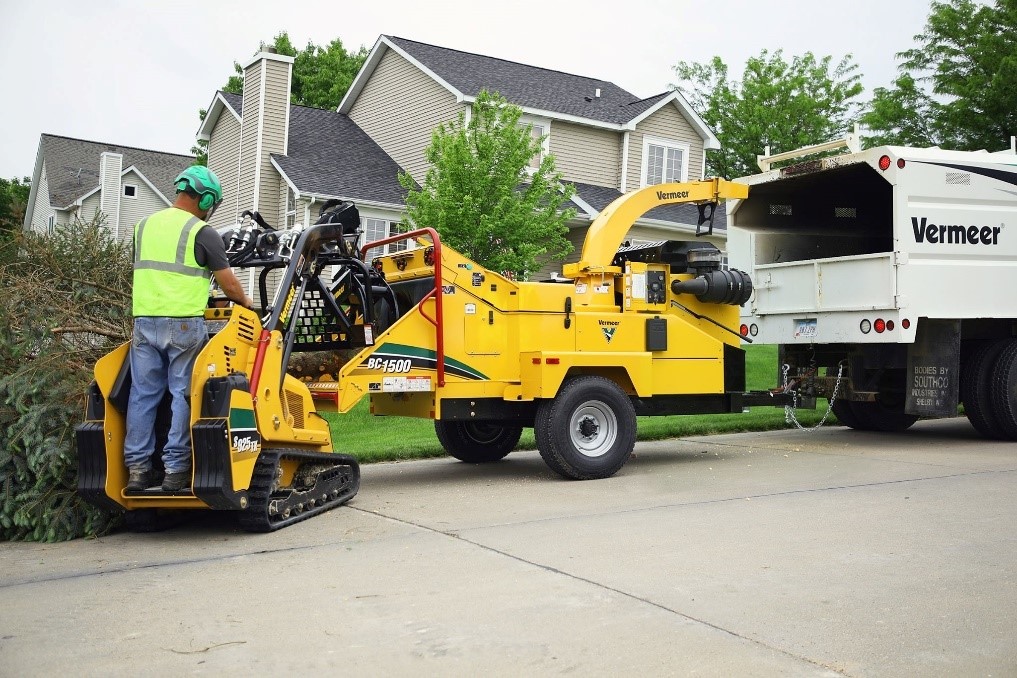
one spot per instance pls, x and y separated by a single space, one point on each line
390 365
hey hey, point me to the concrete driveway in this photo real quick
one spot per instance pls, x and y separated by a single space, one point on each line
786 553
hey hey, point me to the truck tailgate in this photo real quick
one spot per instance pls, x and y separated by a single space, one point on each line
858 282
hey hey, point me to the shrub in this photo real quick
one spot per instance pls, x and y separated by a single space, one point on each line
66 302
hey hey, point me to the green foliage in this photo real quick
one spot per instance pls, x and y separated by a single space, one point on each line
480 197
13 203
321 76
957 88
781 104
66 303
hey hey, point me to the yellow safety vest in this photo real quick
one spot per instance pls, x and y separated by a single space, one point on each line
168 282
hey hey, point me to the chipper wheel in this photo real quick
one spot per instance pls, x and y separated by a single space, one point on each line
477 442
588 430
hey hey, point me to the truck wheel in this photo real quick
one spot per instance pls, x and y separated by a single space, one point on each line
1003 388
477 442
975 387
881 415
845 415
588 430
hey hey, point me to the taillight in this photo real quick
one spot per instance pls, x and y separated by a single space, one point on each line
889 326
900 163
879 325
744 330
906 324
884 162
865 326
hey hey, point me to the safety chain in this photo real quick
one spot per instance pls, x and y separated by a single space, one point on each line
789 410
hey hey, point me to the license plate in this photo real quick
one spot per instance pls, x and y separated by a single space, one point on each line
805 329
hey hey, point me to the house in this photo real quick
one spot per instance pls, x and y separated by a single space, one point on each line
77 178
285 159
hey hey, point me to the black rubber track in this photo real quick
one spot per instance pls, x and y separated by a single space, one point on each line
343 476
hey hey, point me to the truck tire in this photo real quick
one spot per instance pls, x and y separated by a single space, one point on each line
880 415
1003 388
477 442
975 387
845 415
588 430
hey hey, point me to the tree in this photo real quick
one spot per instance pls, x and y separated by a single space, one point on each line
13 204
66 302
480 197
781 104
321 76
956 87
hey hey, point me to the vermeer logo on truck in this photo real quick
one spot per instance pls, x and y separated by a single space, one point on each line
954 233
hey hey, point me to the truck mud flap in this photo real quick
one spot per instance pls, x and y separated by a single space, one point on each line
933 376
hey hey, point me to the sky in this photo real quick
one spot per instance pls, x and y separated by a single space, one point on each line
135 72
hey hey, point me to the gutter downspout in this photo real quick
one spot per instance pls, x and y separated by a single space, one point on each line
623 184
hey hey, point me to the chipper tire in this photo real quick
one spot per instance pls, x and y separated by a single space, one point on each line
588 430
845 415
878 415
477 442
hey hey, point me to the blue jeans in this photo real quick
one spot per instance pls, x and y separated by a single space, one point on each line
163 351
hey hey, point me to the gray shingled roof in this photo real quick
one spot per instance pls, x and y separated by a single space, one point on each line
600 197
330 155
529 86
72 166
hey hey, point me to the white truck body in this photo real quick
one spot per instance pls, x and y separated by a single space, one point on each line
893 263
839 241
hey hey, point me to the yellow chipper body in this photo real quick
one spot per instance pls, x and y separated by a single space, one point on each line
627 331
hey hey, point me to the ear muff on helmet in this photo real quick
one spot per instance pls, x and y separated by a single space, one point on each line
202 182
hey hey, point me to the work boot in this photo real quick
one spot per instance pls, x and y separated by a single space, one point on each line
138 479
176 481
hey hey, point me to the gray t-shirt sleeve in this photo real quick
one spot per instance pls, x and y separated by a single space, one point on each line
209 250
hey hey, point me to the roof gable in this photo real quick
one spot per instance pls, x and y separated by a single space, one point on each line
330 156
72 167
536 90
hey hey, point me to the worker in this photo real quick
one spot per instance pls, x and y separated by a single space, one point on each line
175 254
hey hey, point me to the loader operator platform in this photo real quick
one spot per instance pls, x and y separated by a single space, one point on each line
175 254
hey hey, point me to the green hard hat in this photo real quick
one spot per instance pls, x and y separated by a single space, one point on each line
203 182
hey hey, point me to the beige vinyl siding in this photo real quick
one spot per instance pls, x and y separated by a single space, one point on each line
275 109
132 210
90 206
223 156
586 154
576 236
110 167
249 138
669 124
43 211
399 108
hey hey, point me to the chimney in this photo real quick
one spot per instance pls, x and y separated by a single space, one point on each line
110 189
264 130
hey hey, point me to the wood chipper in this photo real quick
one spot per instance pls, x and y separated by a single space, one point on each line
650 329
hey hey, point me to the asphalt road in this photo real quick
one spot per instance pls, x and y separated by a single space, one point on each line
786 553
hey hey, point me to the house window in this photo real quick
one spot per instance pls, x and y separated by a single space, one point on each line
664 161
378 229
51 224
538 128
291 208
130 191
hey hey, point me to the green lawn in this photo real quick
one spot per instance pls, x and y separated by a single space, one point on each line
373 439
